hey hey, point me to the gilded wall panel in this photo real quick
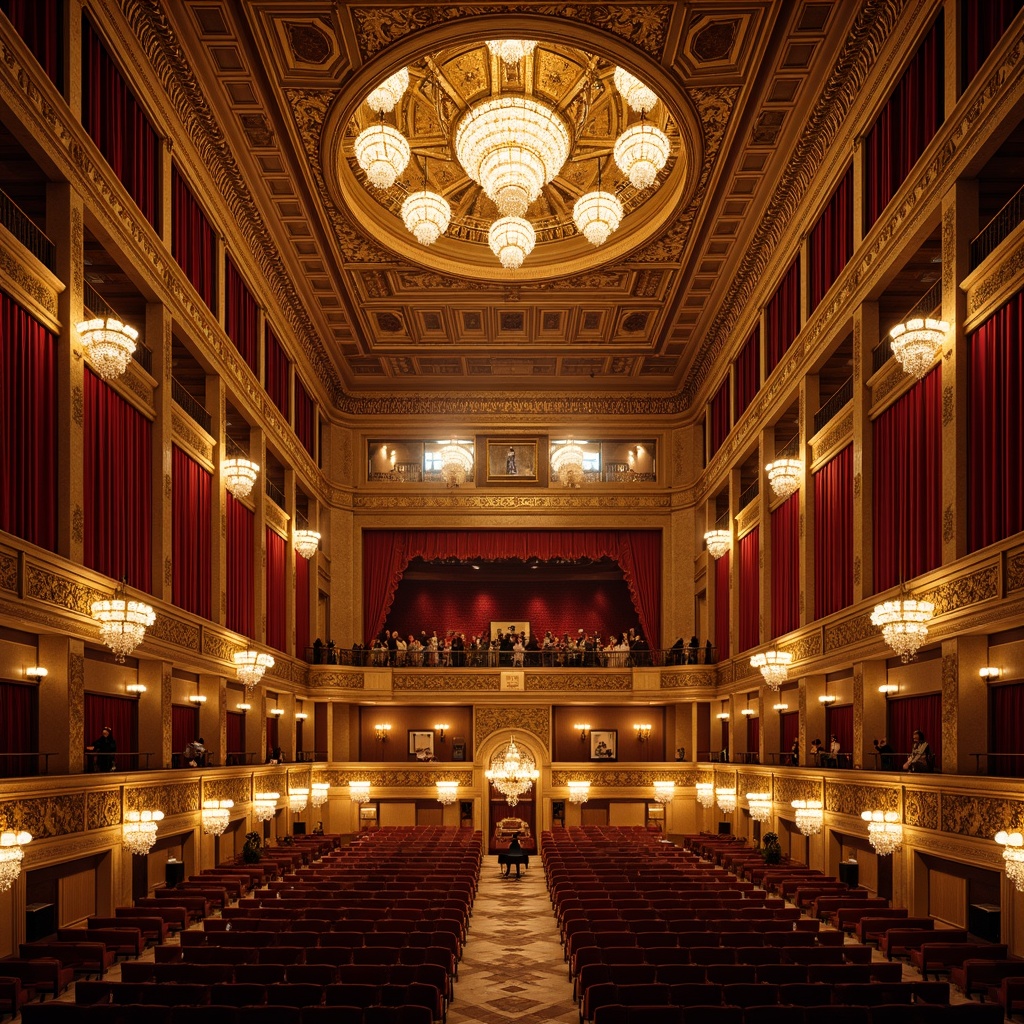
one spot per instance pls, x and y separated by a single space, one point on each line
979 585
921 808
847 798
631 778
76 702
747 782
175 631
578 681
9 573
276 782
410 778
980 816
237 789
535 720
341 680
46 816
695 677
950 702
788 789
849 631
218 646
1014 572
447 681
102 808
178 798
50 587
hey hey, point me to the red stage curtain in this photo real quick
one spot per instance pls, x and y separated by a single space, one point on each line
789 731
190 487
40 23
995 427
839 723
1006 714
905 125
982 24
830 243
786 566
277 635
184 726
275 372
833 534
19 729
386 553
782 317
905 714
750 596
722 607
235 738
305 418
908 484
718 418
241 578
122 715
753 736
301 605
117 469
119 126
193 241
748 371
28 427
241 316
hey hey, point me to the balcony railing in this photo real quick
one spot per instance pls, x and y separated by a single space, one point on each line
834 404
998 228
186 402
273 492
749 494
25 231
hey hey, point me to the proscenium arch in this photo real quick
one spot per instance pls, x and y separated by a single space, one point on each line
526 740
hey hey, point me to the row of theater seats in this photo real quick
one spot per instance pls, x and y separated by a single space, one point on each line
132 1013
899 1013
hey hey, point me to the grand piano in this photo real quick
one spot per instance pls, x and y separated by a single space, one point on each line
514 843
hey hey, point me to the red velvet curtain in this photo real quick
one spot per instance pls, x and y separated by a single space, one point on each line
386 553
301 605
982 24
28 427
786 566
241 316
190 488
905 125
995 427
118 125
724 723
830 243
235 738
40 23
1006 716
905 714
19 729
782 317
789 731
193 241
117 471
305 418
275 372
121 714
907 503
272 733
184 726
277 635
833 534
718 418
753 736
839 723
750 596
241 577
722 607
748 371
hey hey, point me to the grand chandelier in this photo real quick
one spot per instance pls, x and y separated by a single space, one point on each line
810 816
917 342
641 153
726 797
638 97
250 666
579 791
318 793
216 815
705 793
385 97
718 542
513 772
109 345
298 797
382 152
511 51
885 831
760 806
306 542
239 476
359 791
511 239
456 463
447 792
784 475
1013 857
567 462
903 624
138 834
774 667
427 215
596 215
11 856
123 623
264 805
664 790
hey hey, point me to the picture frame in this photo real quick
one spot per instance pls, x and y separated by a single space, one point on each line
459 748
604 744
421 744
512 460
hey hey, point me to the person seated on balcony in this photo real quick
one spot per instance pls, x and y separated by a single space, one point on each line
104 745
816 751
832 761
194 754
920 759
693 651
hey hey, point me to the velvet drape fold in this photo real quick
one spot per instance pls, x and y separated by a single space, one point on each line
785 566
722 607
982 25
191 534
193 241
122 715
718 418
924 712
235 737
40 23
275 372
19 728
241 316
782 317
748 371
789 730
839 723
833 534
830 242
277 633
241 579
184 726
1006 713
750 594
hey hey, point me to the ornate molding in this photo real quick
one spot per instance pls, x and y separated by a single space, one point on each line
627 777
399 779
921 808
190 438
950 701
527 719
979 585
848 798
836 436
102 808
8 573
1014 572
582 681
23 278
45 816
338 680
476 681
980 816
175 631
681 680
849 631
788 789
51 587
537 501
76 703
176 798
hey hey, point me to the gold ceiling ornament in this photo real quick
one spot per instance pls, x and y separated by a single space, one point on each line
250 666
123 623
109 345
385 97
638 97
903 623
11 856
447 792
718 542
138 834
773 666
641 153
916 343
511 51
512 239
383 154
785 475
567 462
239 476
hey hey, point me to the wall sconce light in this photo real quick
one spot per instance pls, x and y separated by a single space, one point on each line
301 716
359 791
643 731
447 791
722 716
138 688
278 712
780 708
198 698
826 697
747 712
243 706
440 728
988 672
888 688
381 730
584 728
36 672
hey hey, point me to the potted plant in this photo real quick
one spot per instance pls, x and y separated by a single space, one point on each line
771 851
252 851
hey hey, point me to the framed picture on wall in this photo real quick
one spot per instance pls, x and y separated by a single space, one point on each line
421 745
458 748
604 744
512 459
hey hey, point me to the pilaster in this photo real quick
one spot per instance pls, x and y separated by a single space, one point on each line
258 454
963 657
158 337
875 716
62 702
765 454
289 563
809 404
216 404
735 489
865 337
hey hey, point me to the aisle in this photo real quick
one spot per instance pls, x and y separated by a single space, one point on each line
512 968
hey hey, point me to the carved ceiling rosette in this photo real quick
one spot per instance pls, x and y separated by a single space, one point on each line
847 798
533 720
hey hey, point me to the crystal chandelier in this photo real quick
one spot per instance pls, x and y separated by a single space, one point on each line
426 215
447 792
885 831
579 791
297 799
917 342
705 793
250 666
139 831
456 463
1013 857
810 816
511 239
903 624
726 799
760 805
596 215
638 96
264 805
216 815
718 542
784 475
306 542
511 51
239 476
512 146
774 667
359 791
318 793
567 462
109 345
664 790
11 856
641 152
123 623
513 772
385 97
382 152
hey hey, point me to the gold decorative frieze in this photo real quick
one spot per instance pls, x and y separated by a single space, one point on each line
530 719
747 782
46 816
273 782
172 630
808 646
999 284
406 779
848 798
341 680
849 631
135 380
624 777
218 646
979 585
447 681
579 681
950 702
8 572
788 789
980 816
237 789
1014 572
835 436
683 678
190 438
536 501
44 584
76 702
178 798
921 809
27 282
276 517
102 808
749 517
